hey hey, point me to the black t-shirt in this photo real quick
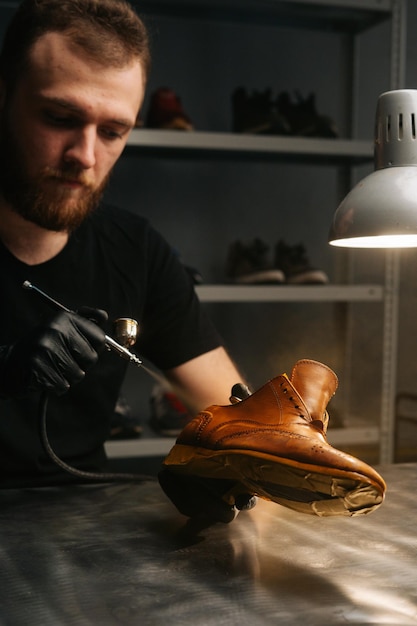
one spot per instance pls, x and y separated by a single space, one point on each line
117 262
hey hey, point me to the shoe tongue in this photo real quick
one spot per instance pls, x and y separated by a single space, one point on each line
316 383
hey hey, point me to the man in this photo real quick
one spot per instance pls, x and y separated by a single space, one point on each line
72 80
73 75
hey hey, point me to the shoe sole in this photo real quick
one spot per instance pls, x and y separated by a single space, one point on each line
310 489
312 277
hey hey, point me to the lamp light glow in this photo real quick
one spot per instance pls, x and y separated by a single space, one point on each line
381 210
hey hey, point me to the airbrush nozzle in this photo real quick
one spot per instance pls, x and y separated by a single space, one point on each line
110 342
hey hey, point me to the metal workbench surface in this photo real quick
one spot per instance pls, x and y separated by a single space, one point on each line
121 554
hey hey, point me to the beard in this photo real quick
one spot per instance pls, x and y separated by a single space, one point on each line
42 199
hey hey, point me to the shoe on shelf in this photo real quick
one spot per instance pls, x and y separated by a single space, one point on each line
249 263
256 113
295 264
123 424
166 111
168 414
273 444
302 116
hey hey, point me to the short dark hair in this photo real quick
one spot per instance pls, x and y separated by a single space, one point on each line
109 30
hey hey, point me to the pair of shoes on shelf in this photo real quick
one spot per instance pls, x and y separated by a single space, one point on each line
261 113
303 118
123 424
296 266
250 263
271 444
256 113
166 111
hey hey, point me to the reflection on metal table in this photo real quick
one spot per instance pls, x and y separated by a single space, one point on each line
121 554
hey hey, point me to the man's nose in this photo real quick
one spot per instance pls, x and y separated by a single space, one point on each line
82 147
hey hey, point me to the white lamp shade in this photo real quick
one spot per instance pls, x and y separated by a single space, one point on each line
381 210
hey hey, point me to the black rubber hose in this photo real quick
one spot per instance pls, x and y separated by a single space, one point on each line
91 476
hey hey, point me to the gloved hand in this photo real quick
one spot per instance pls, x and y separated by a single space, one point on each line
53 356
210 499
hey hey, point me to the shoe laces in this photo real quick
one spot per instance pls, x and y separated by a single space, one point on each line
318 424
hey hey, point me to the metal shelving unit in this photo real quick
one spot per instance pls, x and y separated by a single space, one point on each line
338 15
344 16
352 16
289 293
206 143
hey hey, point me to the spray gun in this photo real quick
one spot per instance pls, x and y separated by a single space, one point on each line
125 328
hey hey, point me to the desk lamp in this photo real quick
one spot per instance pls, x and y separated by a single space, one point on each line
381 210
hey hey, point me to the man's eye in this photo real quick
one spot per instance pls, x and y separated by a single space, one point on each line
59 120
110 133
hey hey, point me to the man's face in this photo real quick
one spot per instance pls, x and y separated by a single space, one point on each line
61 131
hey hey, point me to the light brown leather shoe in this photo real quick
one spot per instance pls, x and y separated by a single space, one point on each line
274 445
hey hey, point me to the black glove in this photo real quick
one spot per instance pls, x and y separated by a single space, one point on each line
53 356
210 499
